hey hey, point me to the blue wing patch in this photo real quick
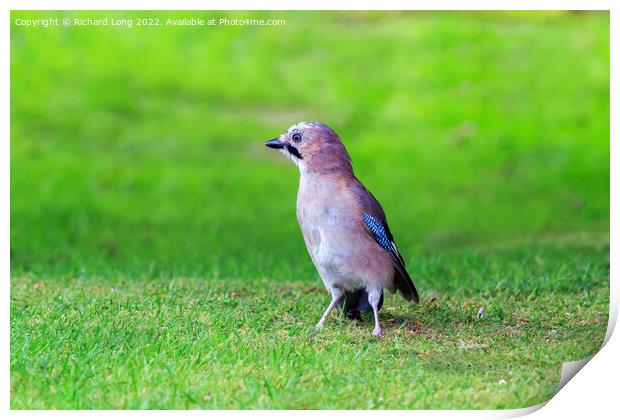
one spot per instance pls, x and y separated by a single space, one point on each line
377 230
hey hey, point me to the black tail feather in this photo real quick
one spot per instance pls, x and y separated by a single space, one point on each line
405 286
356 302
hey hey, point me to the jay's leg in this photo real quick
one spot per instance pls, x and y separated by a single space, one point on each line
374 296
337 295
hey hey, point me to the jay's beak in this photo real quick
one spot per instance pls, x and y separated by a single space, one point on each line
275 144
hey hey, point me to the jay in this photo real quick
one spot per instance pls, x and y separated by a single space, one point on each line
343 225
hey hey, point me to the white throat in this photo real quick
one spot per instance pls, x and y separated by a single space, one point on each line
298 162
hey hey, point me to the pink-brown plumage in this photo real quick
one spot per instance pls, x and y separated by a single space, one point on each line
329 216
334 210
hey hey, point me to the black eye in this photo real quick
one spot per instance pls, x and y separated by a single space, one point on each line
296 137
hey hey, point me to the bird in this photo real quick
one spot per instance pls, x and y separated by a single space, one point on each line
343 225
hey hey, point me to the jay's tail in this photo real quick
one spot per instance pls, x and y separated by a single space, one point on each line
357 302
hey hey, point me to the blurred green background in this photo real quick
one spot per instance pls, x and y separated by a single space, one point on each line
155 257
140 151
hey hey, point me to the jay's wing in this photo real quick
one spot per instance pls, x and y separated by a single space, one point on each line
383 237
375 222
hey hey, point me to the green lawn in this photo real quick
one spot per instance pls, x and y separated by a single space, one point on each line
155 257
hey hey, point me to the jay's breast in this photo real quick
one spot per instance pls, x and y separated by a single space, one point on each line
344 254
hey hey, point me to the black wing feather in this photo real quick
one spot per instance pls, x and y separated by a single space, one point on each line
371 206
382 235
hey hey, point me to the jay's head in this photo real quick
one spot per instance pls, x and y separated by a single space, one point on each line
314 147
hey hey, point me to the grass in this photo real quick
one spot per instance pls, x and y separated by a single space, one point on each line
239 343
155 257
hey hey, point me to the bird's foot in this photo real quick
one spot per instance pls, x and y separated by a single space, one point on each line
377 332
319 325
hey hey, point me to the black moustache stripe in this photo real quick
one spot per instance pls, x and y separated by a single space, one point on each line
293 151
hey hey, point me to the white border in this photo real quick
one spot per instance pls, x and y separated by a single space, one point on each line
598 381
